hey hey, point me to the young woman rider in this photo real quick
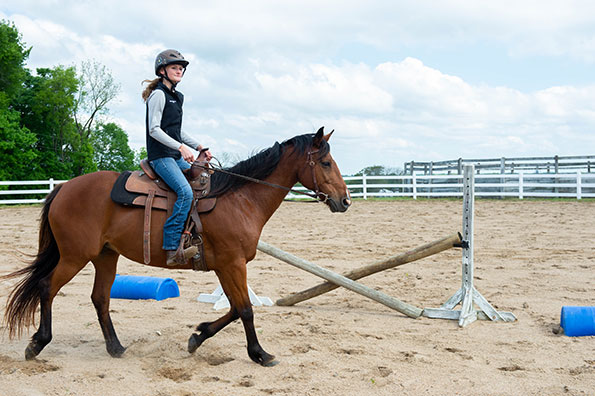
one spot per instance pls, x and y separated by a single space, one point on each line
168 146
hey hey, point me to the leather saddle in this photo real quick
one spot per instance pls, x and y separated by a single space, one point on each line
144 189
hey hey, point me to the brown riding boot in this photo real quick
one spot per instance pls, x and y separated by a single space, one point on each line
174 258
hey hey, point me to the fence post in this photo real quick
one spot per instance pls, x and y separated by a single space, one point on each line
51 184
521 188
556 180
579 186
431 179
414 186
364 186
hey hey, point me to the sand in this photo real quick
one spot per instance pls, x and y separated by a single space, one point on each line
531 258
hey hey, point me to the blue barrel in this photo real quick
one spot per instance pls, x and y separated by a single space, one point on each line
578 321
144 288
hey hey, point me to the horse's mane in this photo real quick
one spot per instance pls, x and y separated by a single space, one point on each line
262 164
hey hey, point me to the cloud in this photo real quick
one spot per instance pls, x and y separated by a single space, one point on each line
228 28
263 71
323 88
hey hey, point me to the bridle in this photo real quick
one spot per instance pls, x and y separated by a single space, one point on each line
317 194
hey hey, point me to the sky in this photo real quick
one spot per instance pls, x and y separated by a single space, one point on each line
396 80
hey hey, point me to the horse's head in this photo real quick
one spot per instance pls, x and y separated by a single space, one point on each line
321 174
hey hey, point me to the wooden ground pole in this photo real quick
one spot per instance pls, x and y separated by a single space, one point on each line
391 302
358 273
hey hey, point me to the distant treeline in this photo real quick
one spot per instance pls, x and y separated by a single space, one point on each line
50 120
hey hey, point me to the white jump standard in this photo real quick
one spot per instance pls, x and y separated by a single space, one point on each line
467 295
220 301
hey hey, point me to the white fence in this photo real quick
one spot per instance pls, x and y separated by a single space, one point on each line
518 185
39 188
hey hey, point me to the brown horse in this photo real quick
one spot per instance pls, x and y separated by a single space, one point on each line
80 223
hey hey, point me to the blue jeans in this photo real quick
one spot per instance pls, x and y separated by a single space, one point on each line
170 171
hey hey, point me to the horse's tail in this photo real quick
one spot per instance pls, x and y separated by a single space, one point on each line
26 296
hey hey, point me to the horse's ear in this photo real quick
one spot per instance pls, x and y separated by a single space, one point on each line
328 135
318 137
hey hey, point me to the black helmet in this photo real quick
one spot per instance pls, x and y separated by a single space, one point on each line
169 57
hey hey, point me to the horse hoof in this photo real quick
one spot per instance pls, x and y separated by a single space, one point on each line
193 343
30 353
116 352
270 363
266 360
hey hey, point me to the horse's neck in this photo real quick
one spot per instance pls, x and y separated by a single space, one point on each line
266 199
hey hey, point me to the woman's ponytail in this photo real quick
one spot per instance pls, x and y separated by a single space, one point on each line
150 88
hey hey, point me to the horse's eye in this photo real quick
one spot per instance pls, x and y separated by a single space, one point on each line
326 164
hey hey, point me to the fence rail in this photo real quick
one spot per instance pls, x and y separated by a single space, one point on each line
518 185
555 164
16 195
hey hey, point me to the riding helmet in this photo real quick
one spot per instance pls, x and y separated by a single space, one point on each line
169 57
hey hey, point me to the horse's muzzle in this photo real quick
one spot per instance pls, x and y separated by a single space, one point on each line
339 205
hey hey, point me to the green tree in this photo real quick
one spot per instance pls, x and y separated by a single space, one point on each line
139 155
17 154
13 55
111 150
58 111
46 107
378 170
375 170
97 88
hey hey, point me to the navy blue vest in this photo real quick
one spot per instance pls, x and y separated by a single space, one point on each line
171 123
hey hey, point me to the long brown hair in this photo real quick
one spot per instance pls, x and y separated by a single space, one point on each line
150 88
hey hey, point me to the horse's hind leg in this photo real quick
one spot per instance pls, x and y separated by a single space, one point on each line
49 287
105 273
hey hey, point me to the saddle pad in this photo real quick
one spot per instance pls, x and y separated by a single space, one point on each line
121 195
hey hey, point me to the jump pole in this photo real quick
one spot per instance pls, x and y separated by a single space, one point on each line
340 280
467 295
392 262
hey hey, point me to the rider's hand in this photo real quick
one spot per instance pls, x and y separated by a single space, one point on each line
187 154
203 153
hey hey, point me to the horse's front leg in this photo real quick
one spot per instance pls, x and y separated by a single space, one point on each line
234 284
255 351
209 329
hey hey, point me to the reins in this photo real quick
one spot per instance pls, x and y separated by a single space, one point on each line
317 195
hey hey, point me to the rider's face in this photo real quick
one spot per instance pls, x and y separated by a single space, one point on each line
175 72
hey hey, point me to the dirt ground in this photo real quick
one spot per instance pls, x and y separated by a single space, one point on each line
531 258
